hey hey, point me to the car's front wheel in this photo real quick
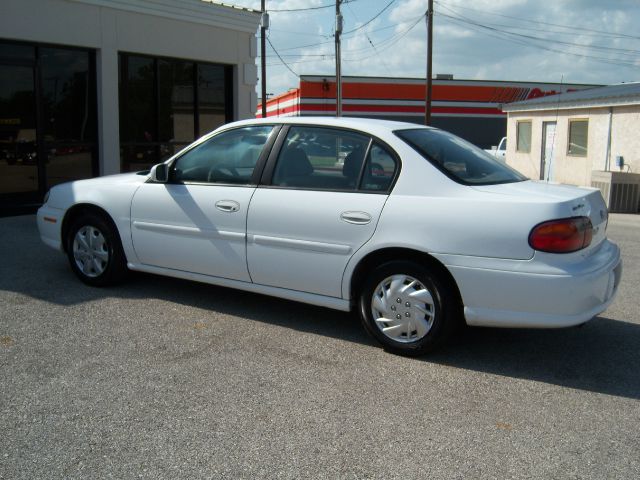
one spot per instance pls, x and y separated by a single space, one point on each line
408 308
95 252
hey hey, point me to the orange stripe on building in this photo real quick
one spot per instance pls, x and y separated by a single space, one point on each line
386 91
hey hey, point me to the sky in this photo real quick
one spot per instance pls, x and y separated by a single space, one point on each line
573 41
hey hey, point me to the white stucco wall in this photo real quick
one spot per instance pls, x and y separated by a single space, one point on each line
572 169
186 29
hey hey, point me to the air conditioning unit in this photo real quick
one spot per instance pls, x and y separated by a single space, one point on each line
621 190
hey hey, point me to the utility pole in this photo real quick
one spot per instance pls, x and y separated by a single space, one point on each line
338 73
427 117
264 24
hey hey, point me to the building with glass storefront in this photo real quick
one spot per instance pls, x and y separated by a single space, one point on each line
95 87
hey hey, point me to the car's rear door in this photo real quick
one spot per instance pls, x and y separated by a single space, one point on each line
197 221
323 192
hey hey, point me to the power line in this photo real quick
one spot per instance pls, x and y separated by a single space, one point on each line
320 7
305 34
622 51
371 19
554 31
294 55
306 9
317 44
500 34
539 22
283 62
297 62
389 42
384 62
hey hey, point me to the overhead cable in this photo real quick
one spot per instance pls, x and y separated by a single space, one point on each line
283 62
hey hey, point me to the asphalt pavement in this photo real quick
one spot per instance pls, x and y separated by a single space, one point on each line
163 378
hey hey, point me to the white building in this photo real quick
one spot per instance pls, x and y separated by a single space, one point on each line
94 87
587 137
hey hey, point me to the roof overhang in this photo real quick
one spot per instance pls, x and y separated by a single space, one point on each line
564 105
206 12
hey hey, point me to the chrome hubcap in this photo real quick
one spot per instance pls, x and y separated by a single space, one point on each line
403 308
90 251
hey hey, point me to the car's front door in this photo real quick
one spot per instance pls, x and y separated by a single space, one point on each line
197 221
324 194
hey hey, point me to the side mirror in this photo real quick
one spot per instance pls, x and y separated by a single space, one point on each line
159 173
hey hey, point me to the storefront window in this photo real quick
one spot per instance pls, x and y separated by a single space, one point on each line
137 99
165 104
17 51
211 97
176 102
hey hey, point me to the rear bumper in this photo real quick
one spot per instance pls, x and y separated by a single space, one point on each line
517 298
49 225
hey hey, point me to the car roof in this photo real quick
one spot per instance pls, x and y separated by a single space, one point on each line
365 124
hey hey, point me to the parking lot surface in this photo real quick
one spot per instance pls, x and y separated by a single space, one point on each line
163 378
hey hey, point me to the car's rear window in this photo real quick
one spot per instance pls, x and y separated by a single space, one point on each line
459 159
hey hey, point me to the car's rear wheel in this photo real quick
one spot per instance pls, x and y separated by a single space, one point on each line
408 308
94 250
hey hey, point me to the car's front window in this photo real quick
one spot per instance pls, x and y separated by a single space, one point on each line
459 159
229 157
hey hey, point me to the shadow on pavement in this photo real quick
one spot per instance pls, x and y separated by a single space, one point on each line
601 356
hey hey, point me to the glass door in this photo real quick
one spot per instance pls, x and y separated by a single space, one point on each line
18 147
548 143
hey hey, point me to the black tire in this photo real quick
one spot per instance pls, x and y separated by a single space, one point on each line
441 317
110 264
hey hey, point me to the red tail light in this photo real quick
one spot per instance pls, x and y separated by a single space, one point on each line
562 236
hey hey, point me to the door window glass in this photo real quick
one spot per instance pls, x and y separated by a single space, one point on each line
69 108
320 158
69 111
379 170
18 150
229 157
62 107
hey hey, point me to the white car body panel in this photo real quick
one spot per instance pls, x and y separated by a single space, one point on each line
297 239
295 295
510 298
111 193
181 227
292 243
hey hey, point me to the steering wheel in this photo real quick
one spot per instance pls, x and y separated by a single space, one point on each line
222 172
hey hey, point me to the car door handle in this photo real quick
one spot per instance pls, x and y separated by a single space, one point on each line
357 218
228 206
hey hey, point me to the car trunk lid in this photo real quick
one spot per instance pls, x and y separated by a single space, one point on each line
570 201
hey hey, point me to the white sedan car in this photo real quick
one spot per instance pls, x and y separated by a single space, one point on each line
412 227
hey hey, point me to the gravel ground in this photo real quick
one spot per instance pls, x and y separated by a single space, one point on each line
163 378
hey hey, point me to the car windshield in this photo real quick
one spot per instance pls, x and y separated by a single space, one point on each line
459 159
